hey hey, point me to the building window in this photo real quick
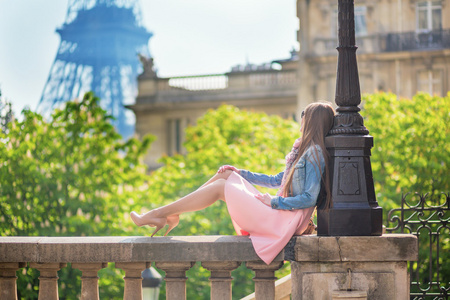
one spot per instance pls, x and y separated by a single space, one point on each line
174 135
429 16
430 81
360 21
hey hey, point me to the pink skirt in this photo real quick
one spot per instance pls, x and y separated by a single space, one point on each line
269 229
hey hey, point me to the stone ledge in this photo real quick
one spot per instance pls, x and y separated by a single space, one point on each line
23 247
388 247
128 249
308 248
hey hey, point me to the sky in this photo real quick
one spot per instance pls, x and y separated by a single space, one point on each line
190 37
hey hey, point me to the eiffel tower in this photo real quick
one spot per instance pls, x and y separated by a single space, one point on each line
100 43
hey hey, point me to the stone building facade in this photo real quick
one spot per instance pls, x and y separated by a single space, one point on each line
166 106
403 47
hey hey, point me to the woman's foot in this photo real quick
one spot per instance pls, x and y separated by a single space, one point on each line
147 219
153 221
172 221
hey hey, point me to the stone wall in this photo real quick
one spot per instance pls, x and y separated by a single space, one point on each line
352 266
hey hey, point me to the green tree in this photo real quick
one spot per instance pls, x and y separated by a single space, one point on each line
411 155
71 176
411 138
75 176
248 140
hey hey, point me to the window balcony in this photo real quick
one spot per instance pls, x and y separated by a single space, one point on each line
412 41
390 42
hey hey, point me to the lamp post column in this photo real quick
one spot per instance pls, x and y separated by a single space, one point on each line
354 210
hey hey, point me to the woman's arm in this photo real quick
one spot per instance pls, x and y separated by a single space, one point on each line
308 197
270 181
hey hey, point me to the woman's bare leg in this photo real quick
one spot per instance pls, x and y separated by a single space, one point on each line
201 198
223 175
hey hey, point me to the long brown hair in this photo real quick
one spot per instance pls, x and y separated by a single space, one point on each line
317 121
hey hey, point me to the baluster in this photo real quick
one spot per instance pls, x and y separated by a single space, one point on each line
89 279
220 278
175 278
48 279
264 278
133 279
8 279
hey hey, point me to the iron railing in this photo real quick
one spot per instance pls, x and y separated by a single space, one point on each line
427 217
389 42
409 41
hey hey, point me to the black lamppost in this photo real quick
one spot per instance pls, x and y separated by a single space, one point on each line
151 281
355 210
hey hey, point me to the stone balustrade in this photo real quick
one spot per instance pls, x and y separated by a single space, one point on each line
212 82
320 265
217 86
173 255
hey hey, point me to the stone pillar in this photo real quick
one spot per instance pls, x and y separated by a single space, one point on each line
8 278
175 278
369 267
349 295
48 279
89 279
220 278
264 278
133 279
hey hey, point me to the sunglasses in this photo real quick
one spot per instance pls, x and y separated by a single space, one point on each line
302 114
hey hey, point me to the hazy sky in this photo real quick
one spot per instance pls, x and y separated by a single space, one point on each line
190 37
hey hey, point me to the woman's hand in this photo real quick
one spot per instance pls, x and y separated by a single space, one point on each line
227 167
264 198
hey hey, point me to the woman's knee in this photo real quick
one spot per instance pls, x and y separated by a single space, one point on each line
225 174
220 187
220 182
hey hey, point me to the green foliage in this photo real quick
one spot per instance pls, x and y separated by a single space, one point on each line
411 154
248 140
411 138
224 136
73 176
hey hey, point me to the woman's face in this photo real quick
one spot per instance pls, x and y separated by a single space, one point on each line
302 120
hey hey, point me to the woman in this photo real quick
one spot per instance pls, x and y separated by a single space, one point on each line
270 221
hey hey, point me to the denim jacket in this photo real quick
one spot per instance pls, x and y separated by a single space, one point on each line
305 183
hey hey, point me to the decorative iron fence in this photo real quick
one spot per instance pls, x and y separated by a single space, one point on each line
409 41
427 217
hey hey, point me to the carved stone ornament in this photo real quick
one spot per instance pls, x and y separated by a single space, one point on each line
348 123
147 65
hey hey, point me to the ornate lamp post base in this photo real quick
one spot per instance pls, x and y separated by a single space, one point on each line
350 222
354 209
